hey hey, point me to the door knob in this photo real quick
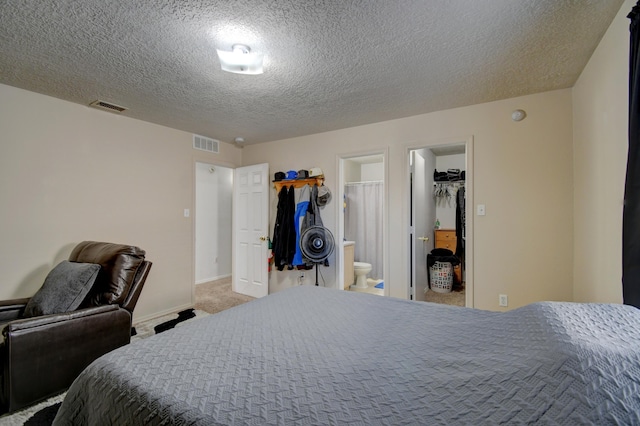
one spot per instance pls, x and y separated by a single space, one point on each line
423 238
263 238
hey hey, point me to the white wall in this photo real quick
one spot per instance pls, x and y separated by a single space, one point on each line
70 173
446 209
523 174
372 172
600 123
214 190
352 171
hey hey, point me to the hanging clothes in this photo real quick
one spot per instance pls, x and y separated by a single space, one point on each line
312 218
276 238
291 232
460 221
302 198
313 211
284 237
277 242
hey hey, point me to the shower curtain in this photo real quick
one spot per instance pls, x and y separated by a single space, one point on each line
363 223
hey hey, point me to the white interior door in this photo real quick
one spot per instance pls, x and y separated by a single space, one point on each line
250 230
423 212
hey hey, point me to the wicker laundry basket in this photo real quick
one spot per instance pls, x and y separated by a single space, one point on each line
441 275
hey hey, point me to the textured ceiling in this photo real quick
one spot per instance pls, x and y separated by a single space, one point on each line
329 64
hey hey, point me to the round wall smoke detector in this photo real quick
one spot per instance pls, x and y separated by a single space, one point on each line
518 115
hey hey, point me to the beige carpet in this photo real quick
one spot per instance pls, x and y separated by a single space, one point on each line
456 298
216 296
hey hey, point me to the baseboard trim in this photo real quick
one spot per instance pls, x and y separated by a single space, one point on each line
169 311
208 280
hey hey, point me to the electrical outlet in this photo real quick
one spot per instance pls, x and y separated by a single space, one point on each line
503 300
301 278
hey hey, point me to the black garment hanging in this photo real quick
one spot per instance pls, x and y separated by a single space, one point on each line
460 222
313 218
631 212
277 242
284 236
290 231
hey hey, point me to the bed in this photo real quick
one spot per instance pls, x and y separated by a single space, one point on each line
311 355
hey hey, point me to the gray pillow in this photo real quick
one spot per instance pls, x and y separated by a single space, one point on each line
63 290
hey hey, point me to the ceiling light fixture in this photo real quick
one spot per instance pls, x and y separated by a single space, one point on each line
241 60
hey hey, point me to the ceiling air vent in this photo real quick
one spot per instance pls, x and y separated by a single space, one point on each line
206 144
107 106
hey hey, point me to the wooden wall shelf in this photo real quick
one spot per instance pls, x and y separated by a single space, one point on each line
298 183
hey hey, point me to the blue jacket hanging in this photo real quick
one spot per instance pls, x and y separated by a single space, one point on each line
302 197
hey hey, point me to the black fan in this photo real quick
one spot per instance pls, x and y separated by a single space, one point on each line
317 244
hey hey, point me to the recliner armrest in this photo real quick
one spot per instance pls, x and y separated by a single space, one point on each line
13 302
12 309
27 323
43 355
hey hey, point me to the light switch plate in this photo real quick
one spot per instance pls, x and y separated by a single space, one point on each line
481 210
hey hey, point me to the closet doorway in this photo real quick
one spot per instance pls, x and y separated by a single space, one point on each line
362 213
440 208
212 228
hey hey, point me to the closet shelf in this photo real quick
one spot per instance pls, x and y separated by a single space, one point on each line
298 183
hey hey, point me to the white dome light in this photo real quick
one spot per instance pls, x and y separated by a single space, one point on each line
241 60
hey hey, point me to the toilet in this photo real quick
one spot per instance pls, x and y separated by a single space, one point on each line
361 269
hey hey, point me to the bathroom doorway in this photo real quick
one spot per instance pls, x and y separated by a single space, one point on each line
212 222
440 209
362 223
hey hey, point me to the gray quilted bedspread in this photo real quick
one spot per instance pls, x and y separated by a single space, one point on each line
317 356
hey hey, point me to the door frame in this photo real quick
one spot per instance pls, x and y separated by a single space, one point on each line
467 141
201 158
195 206
384 152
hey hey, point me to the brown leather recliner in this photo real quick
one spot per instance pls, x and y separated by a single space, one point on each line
41 356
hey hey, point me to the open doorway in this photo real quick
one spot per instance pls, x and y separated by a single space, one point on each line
213 214
440 261
362 223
